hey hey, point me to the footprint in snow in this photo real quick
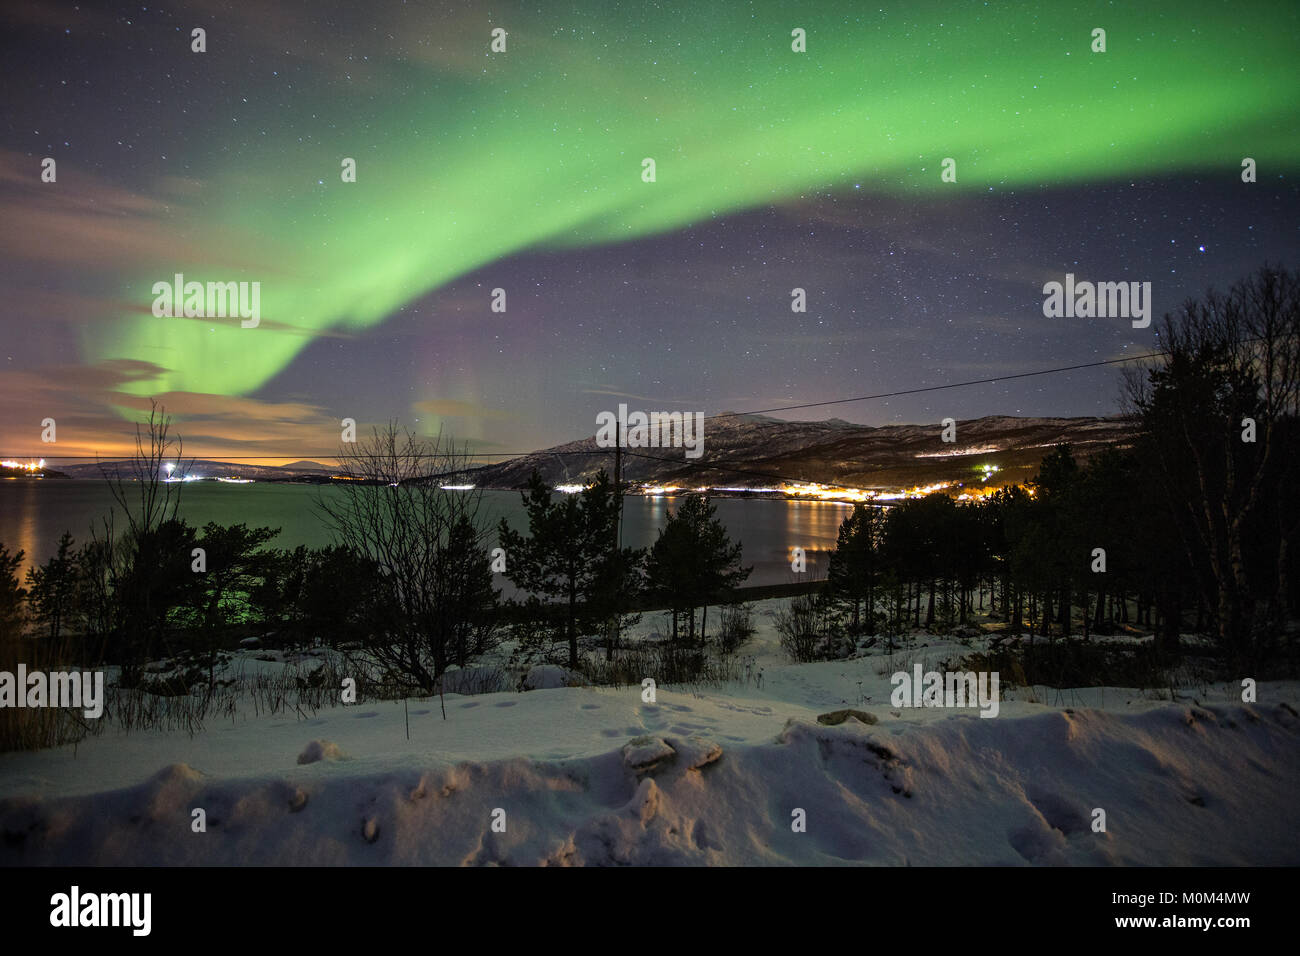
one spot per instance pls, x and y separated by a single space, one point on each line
472 703
507 703
591 706
419 713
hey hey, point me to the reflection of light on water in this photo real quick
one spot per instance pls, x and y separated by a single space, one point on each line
27 529
34 514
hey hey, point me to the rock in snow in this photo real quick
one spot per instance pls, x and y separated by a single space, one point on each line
642 753
695 751
837 717
320 750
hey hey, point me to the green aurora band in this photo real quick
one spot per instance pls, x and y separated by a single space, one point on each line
541 146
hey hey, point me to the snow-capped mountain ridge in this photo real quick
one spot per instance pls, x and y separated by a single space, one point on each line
752 451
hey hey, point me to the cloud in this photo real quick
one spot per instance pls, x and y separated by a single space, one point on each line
286 328
83 223
84 401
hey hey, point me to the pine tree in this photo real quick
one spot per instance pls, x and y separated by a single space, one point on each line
567 554
693 561
854 565
11 595
51 590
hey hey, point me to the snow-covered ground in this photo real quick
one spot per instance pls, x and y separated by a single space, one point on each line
578 775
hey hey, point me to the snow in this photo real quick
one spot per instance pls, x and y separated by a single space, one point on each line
545 676
643 753
320 750
711 775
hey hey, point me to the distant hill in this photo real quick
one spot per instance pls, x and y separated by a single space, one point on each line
752 451
212 469
755 451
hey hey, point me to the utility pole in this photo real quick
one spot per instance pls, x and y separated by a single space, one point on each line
618 493
616 543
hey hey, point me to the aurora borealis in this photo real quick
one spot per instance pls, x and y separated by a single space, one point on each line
521 170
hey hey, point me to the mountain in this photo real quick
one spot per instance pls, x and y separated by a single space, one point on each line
755 451
204 468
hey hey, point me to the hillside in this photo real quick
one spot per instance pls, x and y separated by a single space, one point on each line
754 451
204 468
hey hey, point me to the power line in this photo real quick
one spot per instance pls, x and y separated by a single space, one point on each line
939 388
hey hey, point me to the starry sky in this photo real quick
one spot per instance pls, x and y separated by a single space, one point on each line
522 170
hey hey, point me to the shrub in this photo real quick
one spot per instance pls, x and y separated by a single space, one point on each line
736 628
809 630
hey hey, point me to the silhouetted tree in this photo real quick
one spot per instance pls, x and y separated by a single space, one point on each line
693 561
421 537
853 566
1229 366
220 594
567 554
12 595
52 589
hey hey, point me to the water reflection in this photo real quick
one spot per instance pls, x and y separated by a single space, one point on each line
34 513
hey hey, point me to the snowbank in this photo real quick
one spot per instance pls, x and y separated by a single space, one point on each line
1179 785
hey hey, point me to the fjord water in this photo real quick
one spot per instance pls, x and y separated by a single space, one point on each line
34 513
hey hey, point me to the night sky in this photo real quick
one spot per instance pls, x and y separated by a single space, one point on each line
522 170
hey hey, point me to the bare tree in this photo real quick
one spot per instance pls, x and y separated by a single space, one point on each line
1218 414
435 604
135 570
147 486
